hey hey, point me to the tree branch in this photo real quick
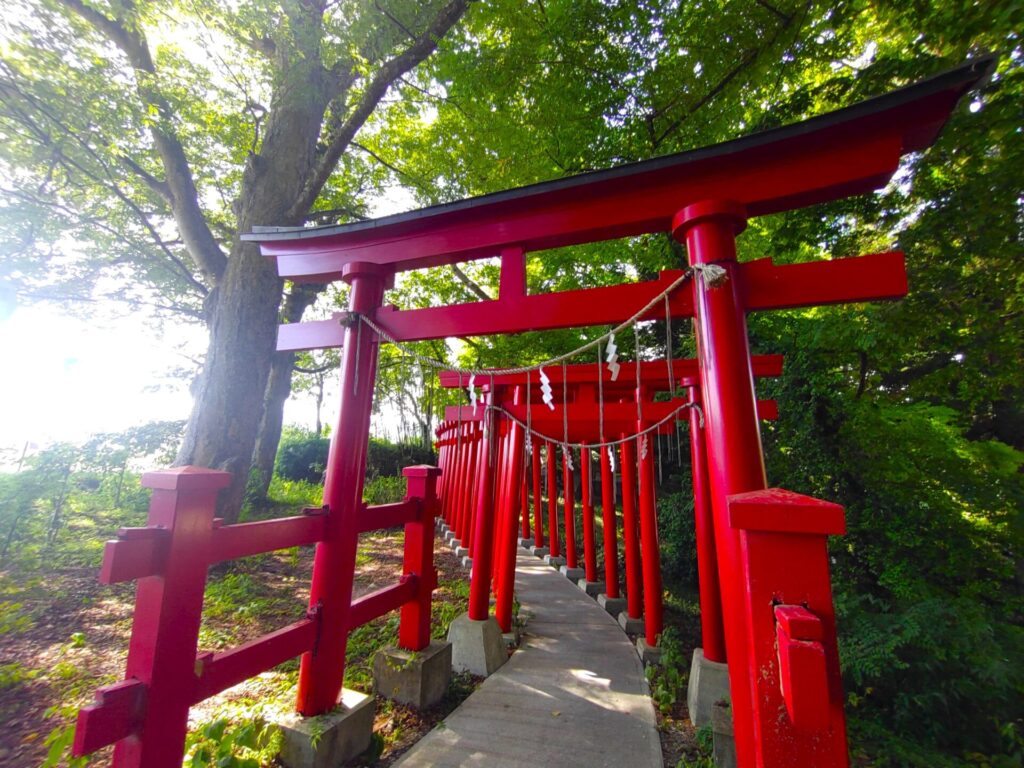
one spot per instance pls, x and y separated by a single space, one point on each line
339 139
471 284
178 173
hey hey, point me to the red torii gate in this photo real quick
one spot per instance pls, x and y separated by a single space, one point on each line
779 622
590 421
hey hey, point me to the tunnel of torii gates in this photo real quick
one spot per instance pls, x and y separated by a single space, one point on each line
777 615
588 408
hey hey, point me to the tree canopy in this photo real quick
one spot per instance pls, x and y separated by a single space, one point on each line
138 139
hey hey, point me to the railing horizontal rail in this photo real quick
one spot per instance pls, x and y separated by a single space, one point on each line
231 542
389 515
376 604
219 671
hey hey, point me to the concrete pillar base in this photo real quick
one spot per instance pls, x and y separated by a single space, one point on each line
630 625
649 654
449 535
467 562
709 684
477 646
454 543
539 551
417 678
555 561
461 552
592 588
331 739
613 605
526 543
724 741
572 574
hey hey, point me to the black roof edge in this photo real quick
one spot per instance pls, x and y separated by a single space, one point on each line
974 71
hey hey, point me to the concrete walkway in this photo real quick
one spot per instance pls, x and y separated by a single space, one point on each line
574 694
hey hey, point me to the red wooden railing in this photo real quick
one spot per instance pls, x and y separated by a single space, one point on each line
146 714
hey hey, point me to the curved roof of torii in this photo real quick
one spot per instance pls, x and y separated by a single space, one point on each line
861 144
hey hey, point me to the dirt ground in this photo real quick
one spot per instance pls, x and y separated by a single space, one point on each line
77 640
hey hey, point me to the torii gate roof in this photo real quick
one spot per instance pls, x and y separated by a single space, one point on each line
838 154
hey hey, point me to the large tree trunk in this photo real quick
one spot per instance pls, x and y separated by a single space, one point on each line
229 399
278 388
279 186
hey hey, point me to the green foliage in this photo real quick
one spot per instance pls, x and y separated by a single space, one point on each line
668 679
226 743
677 537
384 490
303 456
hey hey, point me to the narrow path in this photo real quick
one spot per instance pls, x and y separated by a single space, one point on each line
574 694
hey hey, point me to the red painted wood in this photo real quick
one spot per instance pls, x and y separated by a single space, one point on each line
800 691
766 180
711 627
649 546
552 490
234 541
569 514
506 576
381 601
383 516
483 530
321 674
653 374
630 535
219 671
538 513
116 714
135 553
418 564
611 546
587 506
767 286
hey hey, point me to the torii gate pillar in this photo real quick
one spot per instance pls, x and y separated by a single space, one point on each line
736 466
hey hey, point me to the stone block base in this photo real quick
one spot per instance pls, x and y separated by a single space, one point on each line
538 551
649 654
592 588
709 683
555 561
454 544
724 741
449 535
613 605
328 740
467 562
572 574
461 552
526 543
417 678
631 626
477 646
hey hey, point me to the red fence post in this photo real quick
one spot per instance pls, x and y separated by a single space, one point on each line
165 629
414 626
731 431
506 578
627 454
538 514
611 546
483 525
524 499
552 501
587 503
322 672
711 630
798 697
569 490
651 554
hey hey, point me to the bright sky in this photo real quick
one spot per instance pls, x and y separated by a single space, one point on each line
64 378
